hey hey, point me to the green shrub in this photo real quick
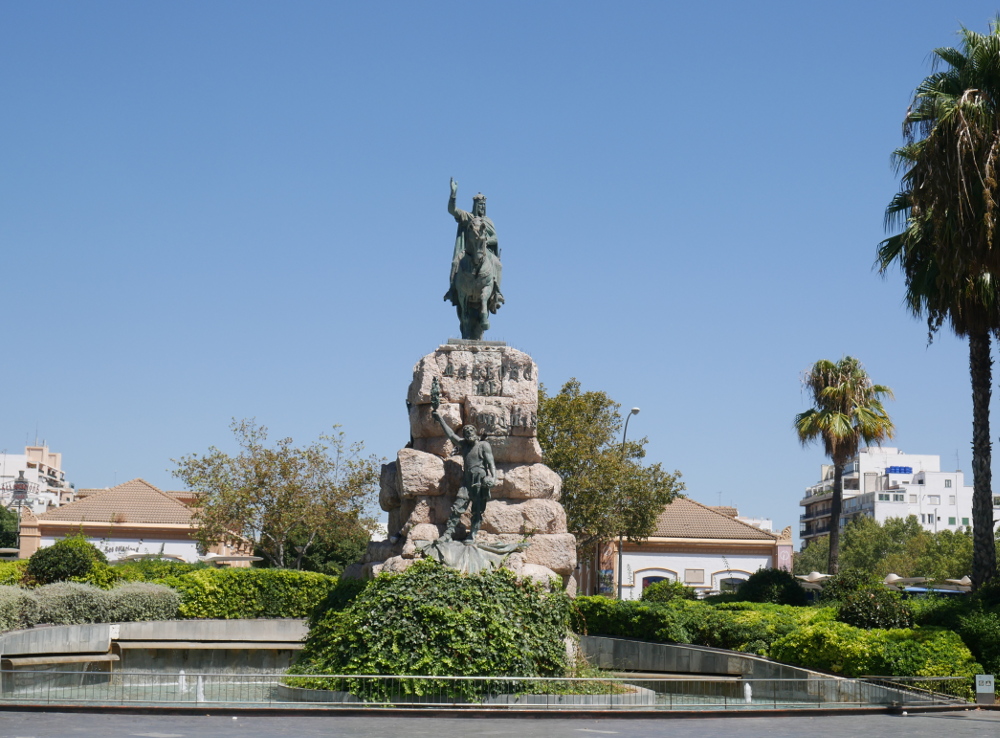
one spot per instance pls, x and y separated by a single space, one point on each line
149 570
12 572
67 603
673 622
18 608
839 586
65 559
249 593
339 597
943 611
753 627
432 620
141 601
667 590
875 608
844 649
776 586
981 633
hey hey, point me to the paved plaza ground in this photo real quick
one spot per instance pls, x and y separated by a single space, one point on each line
92 725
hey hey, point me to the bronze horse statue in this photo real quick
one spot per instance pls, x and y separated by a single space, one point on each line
477 282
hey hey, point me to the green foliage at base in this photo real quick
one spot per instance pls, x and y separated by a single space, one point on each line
18 608
844 649
249 593
775 586
434 621
666 591
65 559
876 607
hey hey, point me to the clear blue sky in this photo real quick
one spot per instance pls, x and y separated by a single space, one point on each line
212 210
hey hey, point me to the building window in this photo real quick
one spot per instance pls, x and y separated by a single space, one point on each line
913 499
694 576
951 499
933 499
951 521
923 518
996 500
646 581
883 497
727 586
947 482
898 498
965 521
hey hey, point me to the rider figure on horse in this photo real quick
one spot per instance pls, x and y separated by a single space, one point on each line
474 282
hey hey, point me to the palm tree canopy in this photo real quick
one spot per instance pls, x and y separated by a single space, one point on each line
847 410
949 188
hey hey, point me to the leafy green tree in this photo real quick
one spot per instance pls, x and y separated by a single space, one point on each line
815 557
282 499
9 527
847 411
607 490
946 208
881 549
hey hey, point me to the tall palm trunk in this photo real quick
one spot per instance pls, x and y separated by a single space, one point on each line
984 564
836 505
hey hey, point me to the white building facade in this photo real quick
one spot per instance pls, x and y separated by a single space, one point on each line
883 483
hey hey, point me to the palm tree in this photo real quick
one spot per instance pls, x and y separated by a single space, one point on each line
946 247
848 411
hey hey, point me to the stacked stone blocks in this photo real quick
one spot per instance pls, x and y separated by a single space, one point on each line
495 388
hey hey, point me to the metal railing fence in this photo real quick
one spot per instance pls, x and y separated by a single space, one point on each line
105 686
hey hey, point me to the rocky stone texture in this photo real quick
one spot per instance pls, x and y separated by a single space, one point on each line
494 388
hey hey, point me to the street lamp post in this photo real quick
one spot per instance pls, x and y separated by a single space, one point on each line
635 411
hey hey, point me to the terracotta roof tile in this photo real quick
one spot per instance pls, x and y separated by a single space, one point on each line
135 501
726 510
684 518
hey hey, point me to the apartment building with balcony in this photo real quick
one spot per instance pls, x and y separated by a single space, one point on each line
883 483
41 469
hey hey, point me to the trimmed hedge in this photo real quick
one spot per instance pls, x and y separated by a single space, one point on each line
844 649
70 603
673 623
737 626
231 594
135 601
18 608
12 572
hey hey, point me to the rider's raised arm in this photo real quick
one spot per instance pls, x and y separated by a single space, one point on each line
456 212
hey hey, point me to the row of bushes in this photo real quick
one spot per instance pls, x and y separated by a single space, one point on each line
68 603
809 637
736 626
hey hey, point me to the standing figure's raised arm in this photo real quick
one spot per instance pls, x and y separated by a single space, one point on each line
452 435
